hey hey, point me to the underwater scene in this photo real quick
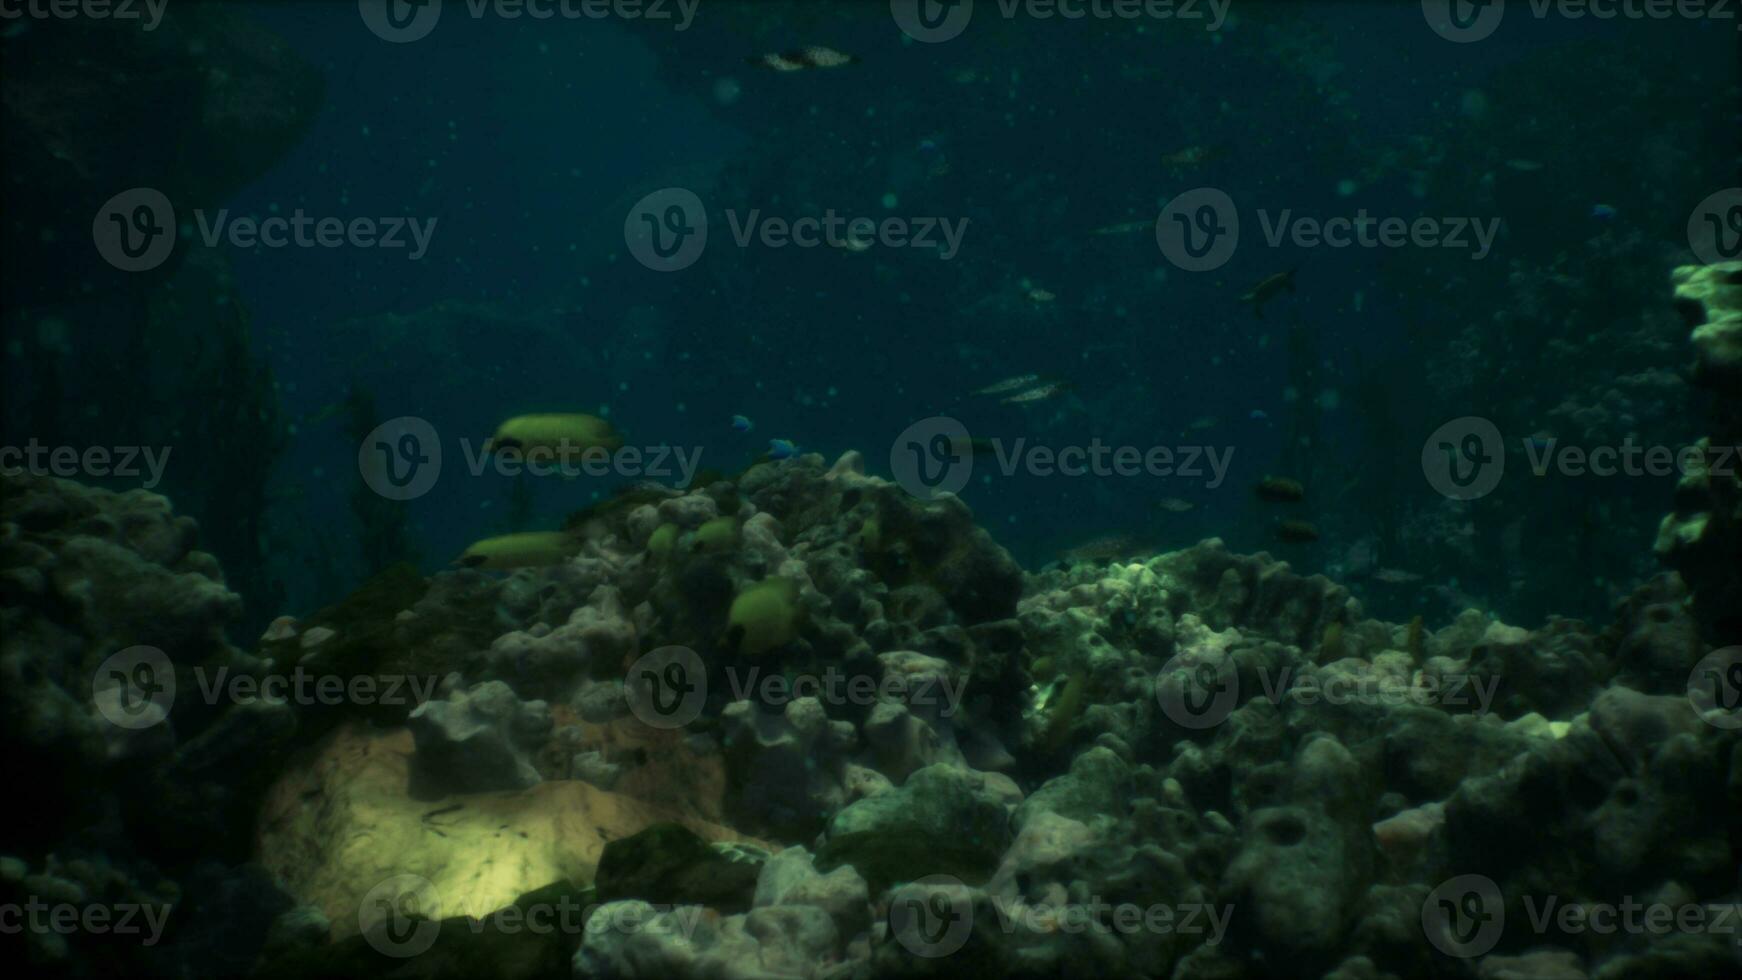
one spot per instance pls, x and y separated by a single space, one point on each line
859 489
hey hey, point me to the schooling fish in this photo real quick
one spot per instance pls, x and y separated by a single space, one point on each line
803 59
781 449
1008 384
529 549
742 424
975 446
1280 490
1174 505
1040 394
1603 212
1125 227
1269 289
1297 532
1103 549
1195 156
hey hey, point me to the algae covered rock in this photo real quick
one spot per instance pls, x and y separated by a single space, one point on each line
480 739
943 820
1702 538
669 863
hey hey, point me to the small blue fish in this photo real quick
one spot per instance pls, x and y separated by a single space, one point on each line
782 449
742 424
1603 212
1260 415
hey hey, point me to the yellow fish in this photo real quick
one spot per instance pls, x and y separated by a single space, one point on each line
562 434
528 549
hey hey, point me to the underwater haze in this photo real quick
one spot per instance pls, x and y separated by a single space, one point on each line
851 489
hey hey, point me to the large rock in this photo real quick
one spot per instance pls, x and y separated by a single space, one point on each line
943 820
477 740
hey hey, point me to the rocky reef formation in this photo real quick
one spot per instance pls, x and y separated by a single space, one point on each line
144 779
799 723
1702 539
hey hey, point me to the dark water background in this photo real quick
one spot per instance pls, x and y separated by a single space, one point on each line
528 140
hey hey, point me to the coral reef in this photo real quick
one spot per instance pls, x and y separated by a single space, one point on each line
1197 764
1702 539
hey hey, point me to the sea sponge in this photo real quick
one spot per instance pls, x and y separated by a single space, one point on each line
764 617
